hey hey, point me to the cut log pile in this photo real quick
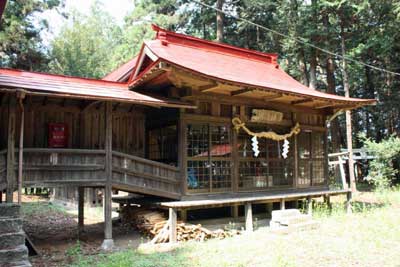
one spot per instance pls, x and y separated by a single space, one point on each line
154 224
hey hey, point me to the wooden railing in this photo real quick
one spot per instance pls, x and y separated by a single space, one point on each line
145 176
3 166
52 167
85 167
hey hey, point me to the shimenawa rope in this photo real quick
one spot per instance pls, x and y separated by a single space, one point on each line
237 124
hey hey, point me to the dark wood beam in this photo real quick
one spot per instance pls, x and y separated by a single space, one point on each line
273 97
115 107
241 91
301 101
325 106
208 87
45 101
108 242
10 171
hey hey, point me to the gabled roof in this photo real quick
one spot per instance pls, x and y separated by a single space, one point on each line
73 87
229 64
122 72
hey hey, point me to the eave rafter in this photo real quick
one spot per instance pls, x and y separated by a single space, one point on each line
208 87
273 97
241 91
301 101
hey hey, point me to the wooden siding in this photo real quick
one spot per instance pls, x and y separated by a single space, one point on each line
85 121
52 167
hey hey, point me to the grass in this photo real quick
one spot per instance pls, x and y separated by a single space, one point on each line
368 237
41 208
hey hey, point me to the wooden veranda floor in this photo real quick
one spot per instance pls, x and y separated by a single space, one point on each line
208 201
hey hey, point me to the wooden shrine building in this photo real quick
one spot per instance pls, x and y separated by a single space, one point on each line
195 122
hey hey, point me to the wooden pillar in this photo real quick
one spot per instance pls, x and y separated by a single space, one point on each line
327 200
81 209
11 150
248 213
270 207
309 206
282 204
342 172
172 225
108 242
348 203
184 215
235 211
21 97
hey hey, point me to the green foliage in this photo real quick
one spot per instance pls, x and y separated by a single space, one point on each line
382 171
21 45
86 47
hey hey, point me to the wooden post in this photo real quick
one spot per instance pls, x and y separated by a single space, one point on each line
21 97
249 217
282 204
81 209
172 225
309 206
108 242
269 209
342 173
235 211
11 150
184 215
327 200
348 203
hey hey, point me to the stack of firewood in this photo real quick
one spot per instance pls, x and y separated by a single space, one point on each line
155 224
186 232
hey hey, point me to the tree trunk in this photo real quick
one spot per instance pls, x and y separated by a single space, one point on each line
220 22
313 69
348 112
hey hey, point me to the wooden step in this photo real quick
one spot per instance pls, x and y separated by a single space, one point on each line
295 219
277 215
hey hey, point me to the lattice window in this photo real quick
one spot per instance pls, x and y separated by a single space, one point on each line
311 147
209 151
269 169
197 139
198 174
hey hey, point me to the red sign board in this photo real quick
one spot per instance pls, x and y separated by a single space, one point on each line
58 135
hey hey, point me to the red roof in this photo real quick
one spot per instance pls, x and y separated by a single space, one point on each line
74 87
122 71
231 64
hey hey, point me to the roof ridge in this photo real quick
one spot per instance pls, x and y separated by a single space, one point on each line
166 36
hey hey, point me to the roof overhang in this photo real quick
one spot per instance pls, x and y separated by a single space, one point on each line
40 84
214 84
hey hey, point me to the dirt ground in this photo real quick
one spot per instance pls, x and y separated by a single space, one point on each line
54 232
